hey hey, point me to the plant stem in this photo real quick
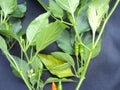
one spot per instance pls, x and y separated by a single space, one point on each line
38 81
5 16
93 38
27 58
24 51
78 37
18 69
105 22
11 62
84 72
32 59
31 53
89 58
85 46
26 82
75 28
65 22
14 61
1 17
90 55
13 43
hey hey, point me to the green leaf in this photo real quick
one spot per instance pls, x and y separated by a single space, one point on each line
16 25
36 26
97 49
3 45
96 12
82 21
87 38
51 79
49 34
63 56
55 9
57 67
20 11
64 42
8 33
43 5
61 71
37 64
68 5
8 6
95 52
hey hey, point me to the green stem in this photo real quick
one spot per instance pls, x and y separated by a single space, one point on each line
26 82
27 58
32 59
31 53
65 22
1 17
13 61
90 55
85 46
43 5
38 81
80 83
21 55
11 46
78 37
84 72
24 51
5 16
18 69
74 69
14 64
93 38
105 22
75 28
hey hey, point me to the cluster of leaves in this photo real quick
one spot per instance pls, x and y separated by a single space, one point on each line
10 23
77 30
39 34
86 20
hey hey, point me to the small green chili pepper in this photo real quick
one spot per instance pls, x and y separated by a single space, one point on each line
76 49
59 85
81 53
81 50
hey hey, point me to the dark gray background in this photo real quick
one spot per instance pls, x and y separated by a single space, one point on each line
103 72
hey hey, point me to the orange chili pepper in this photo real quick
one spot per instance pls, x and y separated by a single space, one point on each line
54 87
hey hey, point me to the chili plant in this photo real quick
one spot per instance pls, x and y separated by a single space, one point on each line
86 20
39 34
